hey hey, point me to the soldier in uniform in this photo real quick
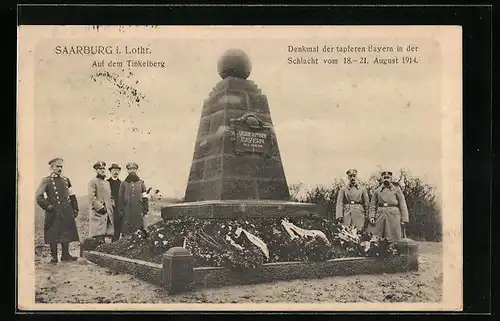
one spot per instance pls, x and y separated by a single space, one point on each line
352 202
114 183
56 197
133 201
388 210
101 224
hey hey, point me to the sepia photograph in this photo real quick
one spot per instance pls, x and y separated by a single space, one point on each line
239 168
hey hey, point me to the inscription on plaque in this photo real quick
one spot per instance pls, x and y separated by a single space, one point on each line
253 141
251 134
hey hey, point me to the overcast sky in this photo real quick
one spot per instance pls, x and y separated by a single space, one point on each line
327 118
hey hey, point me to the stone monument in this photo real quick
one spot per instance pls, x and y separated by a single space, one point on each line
236 169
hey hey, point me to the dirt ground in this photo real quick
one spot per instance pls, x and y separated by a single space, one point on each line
85 282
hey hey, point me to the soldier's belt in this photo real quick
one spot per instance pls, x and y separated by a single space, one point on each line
353 202
387 205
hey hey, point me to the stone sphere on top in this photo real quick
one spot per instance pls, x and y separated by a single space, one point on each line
234 63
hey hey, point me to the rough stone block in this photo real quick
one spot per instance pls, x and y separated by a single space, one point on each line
192 192
213 167
229 99
277 190
233 83
197 170
204 127
213 104
227 145
241 166
202 148
252 166
238 189
216 120
236 113
210 146
258 103
203 190
211 190
234 99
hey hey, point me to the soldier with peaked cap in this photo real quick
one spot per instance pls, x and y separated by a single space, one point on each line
133 203
114 183
101 223
388 210
56 197
352 202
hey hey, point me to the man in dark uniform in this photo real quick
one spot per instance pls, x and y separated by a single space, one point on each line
388 210
133 203
114 183
56 197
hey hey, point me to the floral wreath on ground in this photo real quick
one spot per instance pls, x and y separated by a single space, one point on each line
249 243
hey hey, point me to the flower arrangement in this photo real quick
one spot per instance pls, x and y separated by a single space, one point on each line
249 243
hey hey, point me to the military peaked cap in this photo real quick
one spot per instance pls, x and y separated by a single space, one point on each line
53 160
352 171
99 165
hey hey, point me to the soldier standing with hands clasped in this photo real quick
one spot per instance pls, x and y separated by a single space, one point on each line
56 197
352 202
388 210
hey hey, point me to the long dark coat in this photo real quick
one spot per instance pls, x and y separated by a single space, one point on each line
100 197
59 225
352 205
132 205
388 207
115 188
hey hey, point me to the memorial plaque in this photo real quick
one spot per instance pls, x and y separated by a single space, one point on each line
251 135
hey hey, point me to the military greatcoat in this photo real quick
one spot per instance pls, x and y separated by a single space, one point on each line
352 205
388 208
55 196
132 204
100 198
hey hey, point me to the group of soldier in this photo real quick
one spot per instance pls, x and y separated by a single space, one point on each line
116 207
385 215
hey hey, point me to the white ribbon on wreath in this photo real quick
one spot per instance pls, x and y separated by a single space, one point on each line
300 232
254 239
348 234
233 243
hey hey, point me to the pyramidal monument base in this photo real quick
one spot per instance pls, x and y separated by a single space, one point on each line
236 169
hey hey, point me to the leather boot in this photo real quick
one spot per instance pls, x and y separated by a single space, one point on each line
53 253
65 253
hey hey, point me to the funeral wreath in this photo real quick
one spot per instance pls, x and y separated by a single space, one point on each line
251 242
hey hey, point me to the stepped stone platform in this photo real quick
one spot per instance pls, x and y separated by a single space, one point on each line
233 209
